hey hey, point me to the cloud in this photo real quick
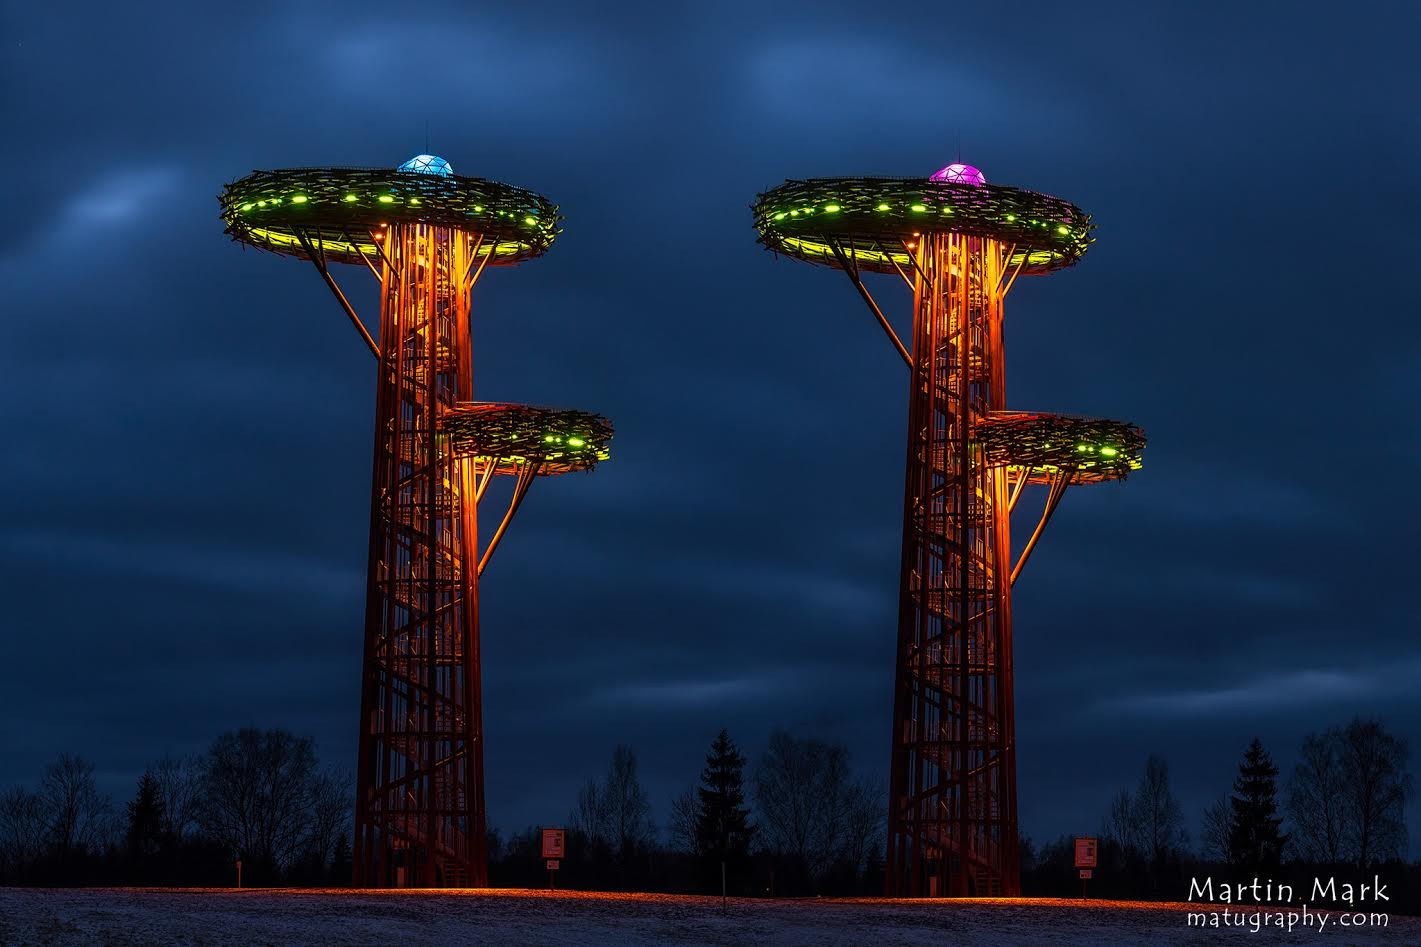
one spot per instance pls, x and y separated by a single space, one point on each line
1302 688
188 425
710 692
106 210
260 573
122 197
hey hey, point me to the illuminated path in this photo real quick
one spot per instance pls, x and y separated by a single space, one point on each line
333 916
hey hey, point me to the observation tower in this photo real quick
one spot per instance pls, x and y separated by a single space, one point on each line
426 236
958 244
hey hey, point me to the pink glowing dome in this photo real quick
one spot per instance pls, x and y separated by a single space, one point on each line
960 174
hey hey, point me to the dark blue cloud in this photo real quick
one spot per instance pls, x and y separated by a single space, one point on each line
182 529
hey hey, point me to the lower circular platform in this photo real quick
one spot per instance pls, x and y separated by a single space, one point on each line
513 436
1086 450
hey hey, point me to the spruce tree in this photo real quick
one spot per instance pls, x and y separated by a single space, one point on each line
723 824
145 836
340 862
1255 840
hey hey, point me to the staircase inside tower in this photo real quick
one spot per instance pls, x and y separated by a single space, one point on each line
416 818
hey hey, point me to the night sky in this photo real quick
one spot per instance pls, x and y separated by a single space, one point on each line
187 464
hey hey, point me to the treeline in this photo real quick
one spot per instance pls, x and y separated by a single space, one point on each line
796 822
255 795
1341 812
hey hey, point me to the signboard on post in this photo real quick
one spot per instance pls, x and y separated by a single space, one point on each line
554 844
1087 853
554 848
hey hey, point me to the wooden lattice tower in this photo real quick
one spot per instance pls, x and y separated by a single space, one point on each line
427 236
958 244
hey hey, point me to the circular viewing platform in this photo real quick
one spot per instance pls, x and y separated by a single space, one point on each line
553 440
1086 450
338 211
871 220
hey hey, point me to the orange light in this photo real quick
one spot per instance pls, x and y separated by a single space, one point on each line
945 906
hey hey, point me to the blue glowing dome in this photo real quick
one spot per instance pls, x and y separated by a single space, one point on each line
427 164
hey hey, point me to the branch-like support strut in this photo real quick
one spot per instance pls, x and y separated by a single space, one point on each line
1054 492
318 259
527 473
851 270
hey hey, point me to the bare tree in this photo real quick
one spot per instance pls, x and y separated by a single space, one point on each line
1122 824
331 795
683 827
625 806
802 791
77 815
22 832
1218 822
1377 787
1160 818
1148 823
864 814
179 782
1347 795
589 818
1316 800
258 788
615 816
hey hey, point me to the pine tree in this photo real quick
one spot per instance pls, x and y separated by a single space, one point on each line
340 862
1255 840
145 835
723 828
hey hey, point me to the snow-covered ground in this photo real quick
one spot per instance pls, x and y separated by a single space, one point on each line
289 916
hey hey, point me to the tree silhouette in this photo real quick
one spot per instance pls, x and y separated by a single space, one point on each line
626 806
1377 786
1347 795
682 826
340 861
1317 800
723 829
1146 828
78 815
1218 820
1255 840
615 817
145 838
1161 818
179 781
258 788
801 791
22 833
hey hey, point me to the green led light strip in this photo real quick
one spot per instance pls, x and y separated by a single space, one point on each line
556 440
336 207
870 219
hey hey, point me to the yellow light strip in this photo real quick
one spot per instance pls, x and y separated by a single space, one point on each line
813 248
287 241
